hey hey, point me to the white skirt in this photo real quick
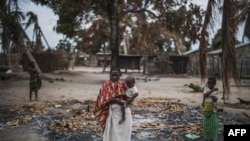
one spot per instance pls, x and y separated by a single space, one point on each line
115 131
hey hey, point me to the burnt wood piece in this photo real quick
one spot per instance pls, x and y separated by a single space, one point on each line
243 101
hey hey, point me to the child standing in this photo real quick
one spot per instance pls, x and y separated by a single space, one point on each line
210 117
35 80
131 94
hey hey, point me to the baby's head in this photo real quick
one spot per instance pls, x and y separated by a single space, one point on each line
130 81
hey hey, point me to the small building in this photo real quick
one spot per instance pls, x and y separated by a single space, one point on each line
179 63
103 58
193 62
243 60
132 62
214 61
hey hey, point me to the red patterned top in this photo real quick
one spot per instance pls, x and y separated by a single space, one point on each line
108 91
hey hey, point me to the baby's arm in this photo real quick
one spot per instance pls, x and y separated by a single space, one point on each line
207 93
131 99
123 113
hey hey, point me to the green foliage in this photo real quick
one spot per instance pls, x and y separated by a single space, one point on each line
195 87
243 17
216 42
157 22
65 64
10 24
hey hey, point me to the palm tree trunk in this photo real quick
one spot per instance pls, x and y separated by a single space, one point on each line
27 51
31 58
44 37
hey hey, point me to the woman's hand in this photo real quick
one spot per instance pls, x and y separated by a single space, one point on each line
215 89
116 101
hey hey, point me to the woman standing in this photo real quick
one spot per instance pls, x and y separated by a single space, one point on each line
107 109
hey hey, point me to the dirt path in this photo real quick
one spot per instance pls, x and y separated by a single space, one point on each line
83 84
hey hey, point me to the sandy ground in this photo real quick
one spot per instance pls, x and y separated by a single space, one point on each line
84 83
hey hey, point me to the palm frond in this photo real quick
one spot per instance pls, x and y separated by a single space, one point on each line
247 27
32 19
229 64
204 40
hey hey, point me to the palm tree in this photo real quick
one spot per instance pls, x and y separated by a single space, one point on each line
243 16
229 63
204 40
10 19
229 66
13 32
216 42
37 31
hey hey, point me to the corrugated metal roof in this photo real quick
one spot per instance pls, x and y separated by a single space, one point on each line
218 51
190 52
215 51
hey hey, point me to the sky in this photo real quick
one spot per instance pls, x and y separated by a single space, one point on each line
47 20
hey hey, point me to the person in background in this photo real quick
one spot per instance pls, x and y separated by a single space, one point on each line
107 109
35 80
210 117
